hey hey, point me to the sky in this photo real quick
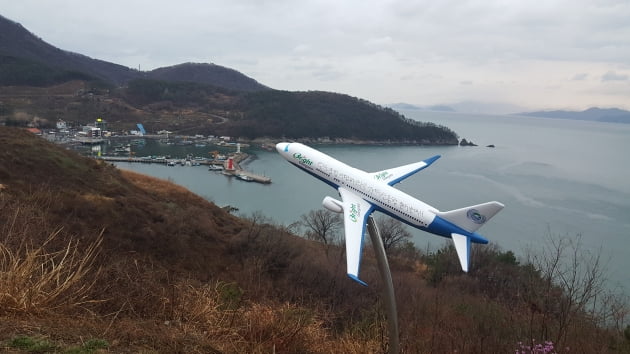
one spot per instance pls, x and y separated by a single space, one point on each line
508 55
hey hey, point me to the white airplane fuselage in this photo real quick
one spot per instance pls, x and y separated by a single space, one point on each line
385 198
375 191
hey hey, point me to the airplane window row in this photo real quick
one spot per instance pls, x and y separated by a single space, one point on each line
391 207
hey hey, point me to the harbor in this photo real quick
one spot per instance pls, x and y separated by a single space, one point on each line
221 154
229 167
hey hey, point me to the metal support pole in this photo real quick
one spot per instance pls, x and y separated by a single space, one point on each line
386 276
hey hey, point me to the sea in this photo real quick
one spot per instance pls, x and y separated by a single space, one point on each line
556 177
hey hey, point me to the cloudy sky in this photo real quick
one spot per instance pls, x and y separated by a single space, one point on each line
534 54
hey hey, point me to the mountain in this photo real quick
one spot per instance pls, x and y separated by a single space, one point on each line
17 42
317 114
475 107
210 74
24 49
19 71
612 115
186 98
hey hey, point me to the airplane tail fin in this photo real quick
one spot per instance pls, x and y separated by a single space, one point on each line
473 217
469 219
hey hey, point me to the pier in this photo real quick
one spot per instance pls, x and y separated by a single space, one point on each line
163 161
247 176
230 169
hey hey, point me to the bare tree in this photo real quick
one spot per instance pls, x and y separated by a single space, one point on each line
322 225
573 284
393 232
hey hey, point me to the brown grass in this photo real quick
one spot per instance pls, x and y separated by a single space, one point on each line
251 327
34 279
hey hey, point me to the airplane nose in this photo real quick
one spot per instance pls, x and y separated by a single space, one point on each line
282 147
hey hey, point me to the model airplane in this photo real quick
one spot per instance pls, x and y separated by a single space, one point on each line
362 193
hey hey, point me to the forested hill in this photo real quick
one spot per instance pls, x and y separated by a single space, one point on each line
323 114
18 43
21 51
206 73
277 114
40 84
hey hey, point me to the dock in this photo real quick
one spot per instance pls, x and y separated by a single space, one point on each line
238 172
235 172
247 176
163 161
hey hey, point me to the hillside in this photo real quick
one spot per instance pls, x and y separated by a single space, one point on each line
323 114
91 256
193 108
210 74
611 115
17 71
187 98
146 265
164 256
18 43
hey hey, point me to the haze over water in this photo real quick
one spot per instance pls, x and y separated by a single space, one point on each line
562 177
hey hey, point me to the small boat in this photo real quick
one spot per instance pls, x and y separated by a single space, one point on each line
122 148
245 178
171 163
215 168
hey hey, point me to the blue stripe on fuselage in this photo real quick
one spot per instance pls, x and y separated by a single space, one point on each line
397 217
445 228
439 227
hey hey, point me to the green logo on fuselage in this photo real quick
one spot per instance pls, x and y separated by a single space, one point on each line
382 176
302 159
355 212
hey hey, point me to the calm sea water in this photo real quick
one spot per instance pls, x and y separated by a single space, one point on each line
557 177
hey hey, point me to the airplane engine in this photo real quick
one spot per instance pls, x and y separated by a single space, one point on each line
333 205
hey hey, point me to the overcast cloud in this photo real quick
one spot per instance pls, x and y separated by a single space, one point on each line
538 55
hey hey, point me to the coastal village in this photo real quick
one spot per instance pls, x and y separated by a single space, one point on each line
96 140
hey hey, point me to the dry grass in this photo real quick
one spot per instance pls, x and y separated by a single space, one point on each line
34 279
216 315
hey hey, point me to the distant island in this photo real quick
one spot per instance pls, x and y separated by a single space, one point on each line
412 107
596 114
611 115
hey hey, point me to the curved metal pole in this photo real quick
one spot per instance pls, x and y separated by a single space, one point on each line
386 276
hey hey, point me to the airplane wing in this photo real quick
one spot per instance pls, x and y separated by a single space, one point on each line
355 214
397 174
